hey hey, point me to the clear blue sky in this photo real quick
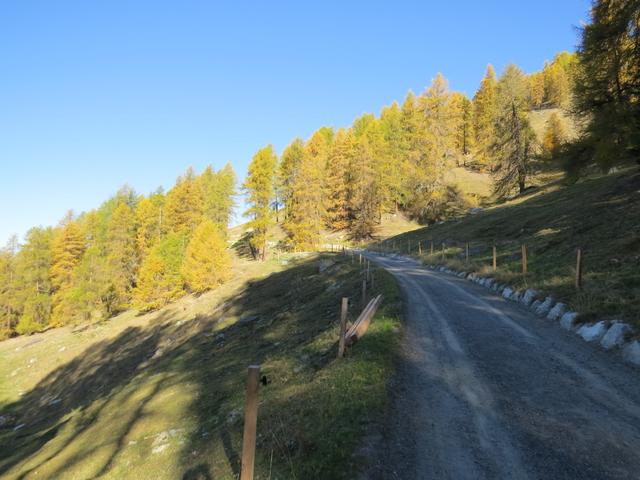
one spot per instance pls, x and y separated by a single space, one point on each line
96 94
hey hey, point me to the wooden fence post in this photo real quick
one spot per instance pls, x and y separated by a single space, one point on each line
495 259
524 259
431 247
250 423
343 326
364 293
420 247
579 269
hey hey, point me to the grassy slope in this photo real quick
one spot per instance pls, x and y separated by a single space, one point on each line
601 215
161 395
539 119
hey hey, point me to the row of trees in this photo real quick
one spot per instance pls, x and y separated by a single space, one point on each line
347 179
134 250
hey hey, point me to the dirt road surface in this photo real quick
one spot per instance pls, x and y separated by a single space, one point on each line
487 390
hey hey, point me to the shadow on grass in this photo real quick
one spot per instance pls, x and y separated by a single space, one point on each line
290 318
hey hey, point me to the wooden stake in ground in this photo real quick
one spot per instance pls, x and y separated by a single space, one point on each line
579 269
431 247
467 252
364 292
250 423
495 259
420 247
524 259
343 326
360 259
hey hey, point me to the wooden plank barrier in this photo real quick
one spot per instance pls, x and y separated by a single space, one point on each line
361 325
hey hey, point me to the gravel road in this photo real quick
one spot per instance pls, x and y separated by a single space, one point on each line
487 390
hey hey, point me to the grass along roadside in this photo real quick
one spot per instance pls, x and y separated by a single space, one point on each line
599 215
162 397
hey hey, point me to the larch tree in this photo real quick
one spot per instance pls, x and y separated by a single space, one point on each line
149 221
514 142
607 89
122 258
184 204
287 170
33 266
536 82
9 303
218 191
159 278
484 113
462 124
428 184
67 249
554 135
367 196
259 186
395 164
207 262
342 152
363 196
306 211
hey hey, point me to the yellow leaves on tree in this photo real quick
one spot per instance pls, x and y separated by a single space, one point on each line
259 186
159 278
68 246
184 204
554 136
206 263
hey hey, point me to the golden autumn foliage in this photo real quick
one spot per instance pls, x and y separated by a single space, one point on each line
207 262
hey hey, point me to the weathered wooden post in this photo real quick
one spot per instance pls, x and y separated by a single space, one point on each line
250 423
579 269
343 326
420 247
431 247
360 259
524 259
495 259
364 293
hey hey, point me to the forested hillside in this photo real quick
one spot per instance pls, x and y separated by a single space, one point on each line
133 251
138 251
402 159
